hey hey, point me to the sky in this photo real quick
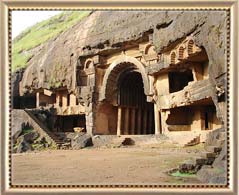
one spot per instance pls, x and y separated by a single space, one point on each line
24 19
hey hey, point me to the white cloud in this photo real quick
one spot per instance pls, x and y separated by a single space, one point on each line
24 19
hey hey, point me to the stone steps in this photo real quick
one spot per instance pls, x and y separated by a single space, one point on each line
194 141
42 129
206 158
186 139
196 164
215 149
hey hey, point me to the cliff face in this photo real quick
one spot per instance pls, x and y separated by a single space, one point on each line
53 64
102 31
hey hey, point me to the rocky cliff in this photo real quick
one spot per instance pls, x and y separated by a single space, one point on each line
53 63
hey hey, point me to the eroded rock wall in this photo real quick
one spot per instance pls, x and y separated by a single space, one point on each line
54 65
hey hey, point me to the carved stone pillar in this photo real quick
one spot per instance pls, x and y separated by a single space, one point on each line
37 99
132 121
156 120
145 121
126 122
139 121
119 121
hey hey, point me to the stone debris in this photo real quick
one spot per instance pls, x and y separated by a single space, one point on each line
128 141
23 146
81 140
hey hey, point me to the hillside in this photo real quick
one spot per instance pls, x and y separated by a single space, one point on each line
53 63
41 32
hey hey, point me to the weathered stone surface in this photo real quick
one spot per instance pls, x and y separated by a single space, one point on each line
23 145
221 160
16 136
54 64
167 28
187 166
81 140
216 173
100 140
20 121
212 176
128 141
31 136
122 46
195 91
16 78
212 137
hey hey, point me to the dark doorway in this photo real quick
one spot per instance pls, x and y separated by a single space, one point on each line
178 80
22 102
69 122
206 120
137 115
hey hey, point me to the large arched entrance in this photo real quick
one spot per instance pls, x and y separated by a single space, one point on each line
123 108
135 114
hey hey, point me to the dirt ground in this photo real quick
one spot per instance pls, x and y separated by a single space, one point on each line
131 165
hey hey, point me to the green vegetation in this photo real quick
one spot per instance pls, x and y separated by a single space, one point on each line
40 33
178 174
25 131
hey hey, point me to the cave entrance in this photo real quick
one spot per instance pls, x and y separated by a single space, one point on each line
200 115
178 80
135 114
23 102
69 122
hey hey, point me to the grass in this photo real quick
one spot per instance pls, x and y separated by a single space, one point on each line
40 33
25 131
178 174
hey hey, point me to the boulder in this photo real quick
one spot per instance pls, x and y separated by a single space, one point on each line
103 140
31 137
81 140
208 174
128 142
23 146
187 167
218 179
16 136
220 161
70 135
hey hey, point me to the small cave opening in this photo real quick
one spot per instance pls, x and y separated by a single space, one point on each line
178 80
201 116
69 122
22 102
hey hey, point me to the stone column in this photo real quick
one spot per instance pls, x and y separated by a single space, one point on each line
90 119
133 121
37 99
150 121
119 121
129 123
157 120
57 99
145 121
126 122
72 100
164 117
139 121
64 99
